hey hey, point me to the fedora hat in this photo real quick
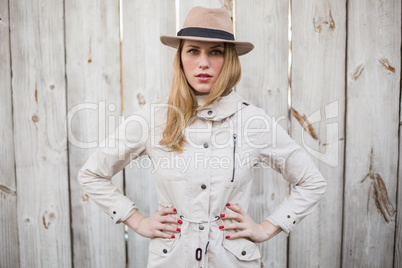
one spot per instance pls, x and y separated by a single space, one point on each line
208 25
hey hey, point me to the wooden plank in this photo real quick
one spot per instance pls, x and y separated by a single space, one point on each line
398 231
373 93
93 72
8 196
38 83
265 84
147 68
318 91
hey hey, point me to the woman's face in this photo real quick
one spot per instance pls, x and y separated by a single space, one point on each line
202 63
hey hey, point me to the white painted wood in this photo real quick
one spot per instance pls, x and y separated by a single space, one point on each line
318 92
93 75
398 231
147 65
38 84
372 123
265 84
9 255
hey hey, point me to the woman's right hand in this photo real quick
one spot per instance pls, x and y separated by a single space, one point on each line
153 226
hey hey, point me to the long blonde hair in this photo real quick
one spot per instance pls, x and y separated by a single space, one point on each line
182 103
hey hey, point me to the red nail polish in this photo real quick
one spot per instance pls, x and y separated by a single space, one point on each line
221 227
179 221
222 215
178 229
228 205
174 210
173 236
227 237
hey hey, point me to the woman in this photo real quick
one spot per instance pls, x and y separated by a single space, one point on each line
211 139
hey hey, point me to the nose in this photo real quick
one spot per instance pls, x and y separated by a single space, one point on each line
203 61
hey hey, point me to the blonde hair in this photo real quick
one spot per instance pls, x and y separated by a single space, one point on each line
182 103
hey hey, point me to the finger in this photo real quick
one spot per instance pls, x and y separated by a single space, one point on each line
235 208
232 226
232 216
237 235
169 228
170 219
165 211
163 235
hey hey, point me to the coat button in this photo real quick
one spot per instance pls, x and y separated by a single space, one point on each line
165 250
294 222
201 227
288 216
203 186
114 212
210 112
243 253
206 145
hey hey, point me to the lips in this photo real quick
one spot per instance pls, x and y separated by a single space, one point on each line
203 77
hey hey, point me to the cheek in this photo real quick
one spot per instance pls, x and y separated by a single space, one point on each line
219 65
188 65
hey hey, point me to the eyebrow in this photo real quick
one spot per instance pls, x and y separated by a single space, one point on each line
193 46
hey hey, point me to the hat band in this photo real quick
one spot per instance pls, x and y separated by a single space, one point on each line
205 32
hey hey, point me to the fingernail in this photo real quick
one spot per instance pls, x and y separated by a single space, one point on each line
178 229
228 205
227 237
221 227
173 236
174 210
222 215
179 221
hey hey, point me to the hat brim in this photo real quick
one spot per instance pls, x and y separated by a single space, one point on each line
242 48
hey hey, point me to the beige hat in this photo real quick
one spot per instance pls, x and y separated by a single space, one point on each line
210 25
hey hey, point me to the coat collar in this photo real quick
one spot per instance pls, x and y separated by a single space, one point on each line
221 109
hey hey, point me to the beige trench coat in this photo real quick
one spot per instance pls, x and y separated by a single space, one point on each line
224 143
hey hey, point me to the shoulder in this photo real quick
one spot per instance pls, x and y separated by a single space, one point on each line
248 106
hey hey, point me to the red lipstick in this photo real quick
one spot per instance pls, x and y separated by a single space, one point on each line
203 77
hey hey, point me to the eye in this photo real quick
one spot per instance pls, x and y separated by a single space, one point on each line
193 51
216 52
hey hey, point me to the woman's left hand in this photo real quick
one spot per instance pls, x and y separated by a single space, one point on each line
247 226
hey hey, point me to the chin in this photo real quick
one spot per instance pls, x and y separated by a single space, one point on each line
202 91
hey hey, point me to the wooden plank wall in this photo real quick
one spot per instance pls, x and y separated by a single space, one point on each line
60 69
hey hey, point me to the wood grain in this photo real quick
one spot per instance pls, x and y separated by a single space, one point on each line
372 125
318 111
93 74
39 98
8 195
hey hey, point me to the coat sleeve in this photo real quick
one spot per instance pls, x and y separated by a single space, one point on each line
113 154
308 185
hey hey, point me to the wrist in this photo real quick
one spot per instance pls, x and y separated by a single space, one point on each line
270 229
134 220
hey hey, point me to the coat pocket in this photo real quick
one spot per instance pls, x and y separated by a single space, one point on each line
242 248
162 246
